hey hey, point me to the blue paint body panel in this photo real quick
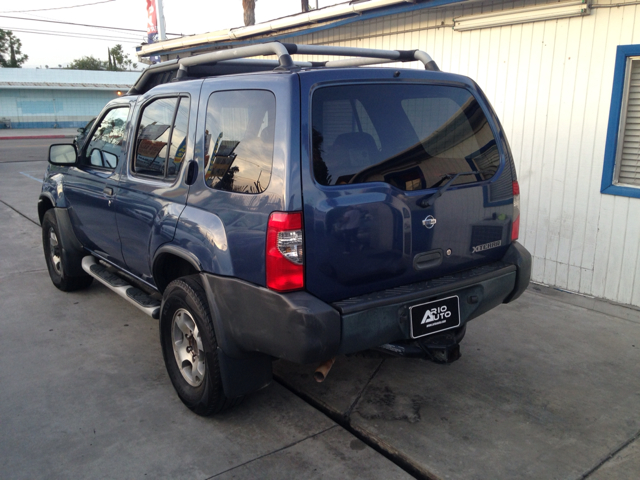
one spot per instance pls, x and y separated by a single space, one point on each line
245 216
389 234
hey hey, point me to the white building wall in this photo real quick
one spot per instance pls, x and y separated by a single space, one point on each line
550 83
48 98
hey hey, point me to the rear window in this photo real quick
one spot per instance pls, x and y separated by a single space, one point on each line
410 136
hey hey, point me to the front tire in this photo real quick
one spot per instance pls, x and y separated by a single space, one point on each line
189 348
57 263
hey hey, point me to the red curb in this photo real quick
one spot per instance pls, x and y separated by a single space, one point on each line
31 137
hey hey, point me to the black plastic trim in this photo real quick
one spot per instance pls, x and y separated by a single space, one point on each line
45 197
520 257
72 249
427 260
432 66
429 288
111 278
407 55
244 375
178 252
301 328
375 326
293 326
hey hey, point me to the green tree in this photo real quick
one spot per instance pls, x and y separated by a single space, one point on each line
11 55
118 60
87 63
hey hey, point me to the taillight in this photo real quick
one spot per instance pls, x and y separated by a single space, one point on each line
515 224
285 258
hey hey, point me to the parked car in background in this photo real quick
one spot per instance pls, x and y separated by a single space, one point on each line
83 132
272 209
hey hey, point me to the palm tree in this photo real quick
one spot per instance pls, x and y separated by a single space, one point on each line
249 7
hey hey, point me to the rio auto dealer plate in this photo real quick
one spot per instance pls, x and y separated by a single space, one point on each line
434 317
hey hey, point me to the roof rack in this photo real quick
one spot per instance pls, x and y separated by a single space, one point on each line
235 60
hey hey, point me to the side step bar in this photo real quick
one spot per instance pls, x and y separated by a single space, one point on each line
137 297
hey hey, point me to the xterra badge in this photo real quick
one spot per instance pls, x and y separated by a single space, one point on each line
486 246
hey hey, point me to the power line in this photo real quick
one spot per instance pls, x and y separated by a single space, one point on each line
35 30
57 8
79 35
83 25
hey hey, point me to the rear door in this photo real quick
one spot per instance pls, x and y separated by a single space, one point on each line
383 206
152 192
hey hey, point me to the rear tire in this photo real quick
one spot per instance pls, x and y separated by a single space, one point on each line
189 348
57 263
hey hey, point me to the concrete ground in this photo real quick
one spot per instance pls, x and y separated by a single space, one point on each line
544 389
547 387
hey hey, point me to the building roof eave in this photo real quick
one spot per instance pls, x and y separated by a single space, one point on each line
304 25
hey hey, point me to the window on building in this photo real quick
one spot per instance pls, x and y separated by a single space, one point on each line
239 134
162 138
105 147
621 174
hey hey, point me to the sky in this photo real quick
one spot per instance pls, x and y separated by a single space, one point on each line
45 44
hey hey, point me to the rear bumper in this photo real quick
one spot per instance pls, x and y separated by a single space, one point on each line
301 328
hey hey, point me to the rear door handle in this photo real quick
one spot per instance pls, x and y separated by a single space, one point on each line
108 191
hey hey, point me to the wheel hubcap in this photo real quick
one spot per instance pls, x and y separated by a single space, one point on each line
54 252
187 347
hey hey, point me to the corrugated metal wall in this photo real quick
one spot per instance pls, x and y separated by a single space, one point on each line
550 83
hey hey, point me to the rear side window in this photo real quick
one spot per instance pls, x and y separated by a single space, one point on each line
162 138
239 133
410 136
104 150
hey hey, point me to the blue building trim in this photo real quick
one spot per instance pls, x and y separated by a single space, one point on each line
607 186
383 12
49 124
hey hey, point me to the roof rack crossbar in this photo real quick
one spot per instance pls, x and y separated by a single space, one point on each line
239 56
356 62
367 53
271 48
254 62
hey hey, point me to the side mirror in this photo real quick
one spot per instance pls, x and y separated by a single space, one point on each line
81 130
63 154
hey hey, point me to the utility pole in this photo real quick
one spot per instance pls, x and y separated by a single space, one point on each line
161 27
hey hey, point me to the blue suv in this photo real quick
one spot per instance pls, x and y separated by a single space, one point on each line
281 209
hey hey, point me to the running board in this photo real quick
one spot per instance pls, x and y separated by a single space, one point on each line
137 297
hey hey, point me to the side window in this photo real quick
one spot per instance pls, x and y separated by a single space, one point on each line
162 138
104 150
239 134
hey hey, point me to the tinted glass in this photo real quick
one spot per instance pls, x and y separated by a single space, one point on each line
410 136
153 137
178 139
240 129
105 147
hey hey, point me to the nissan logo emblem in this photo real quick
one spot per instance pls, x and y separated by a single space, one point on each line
429 222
